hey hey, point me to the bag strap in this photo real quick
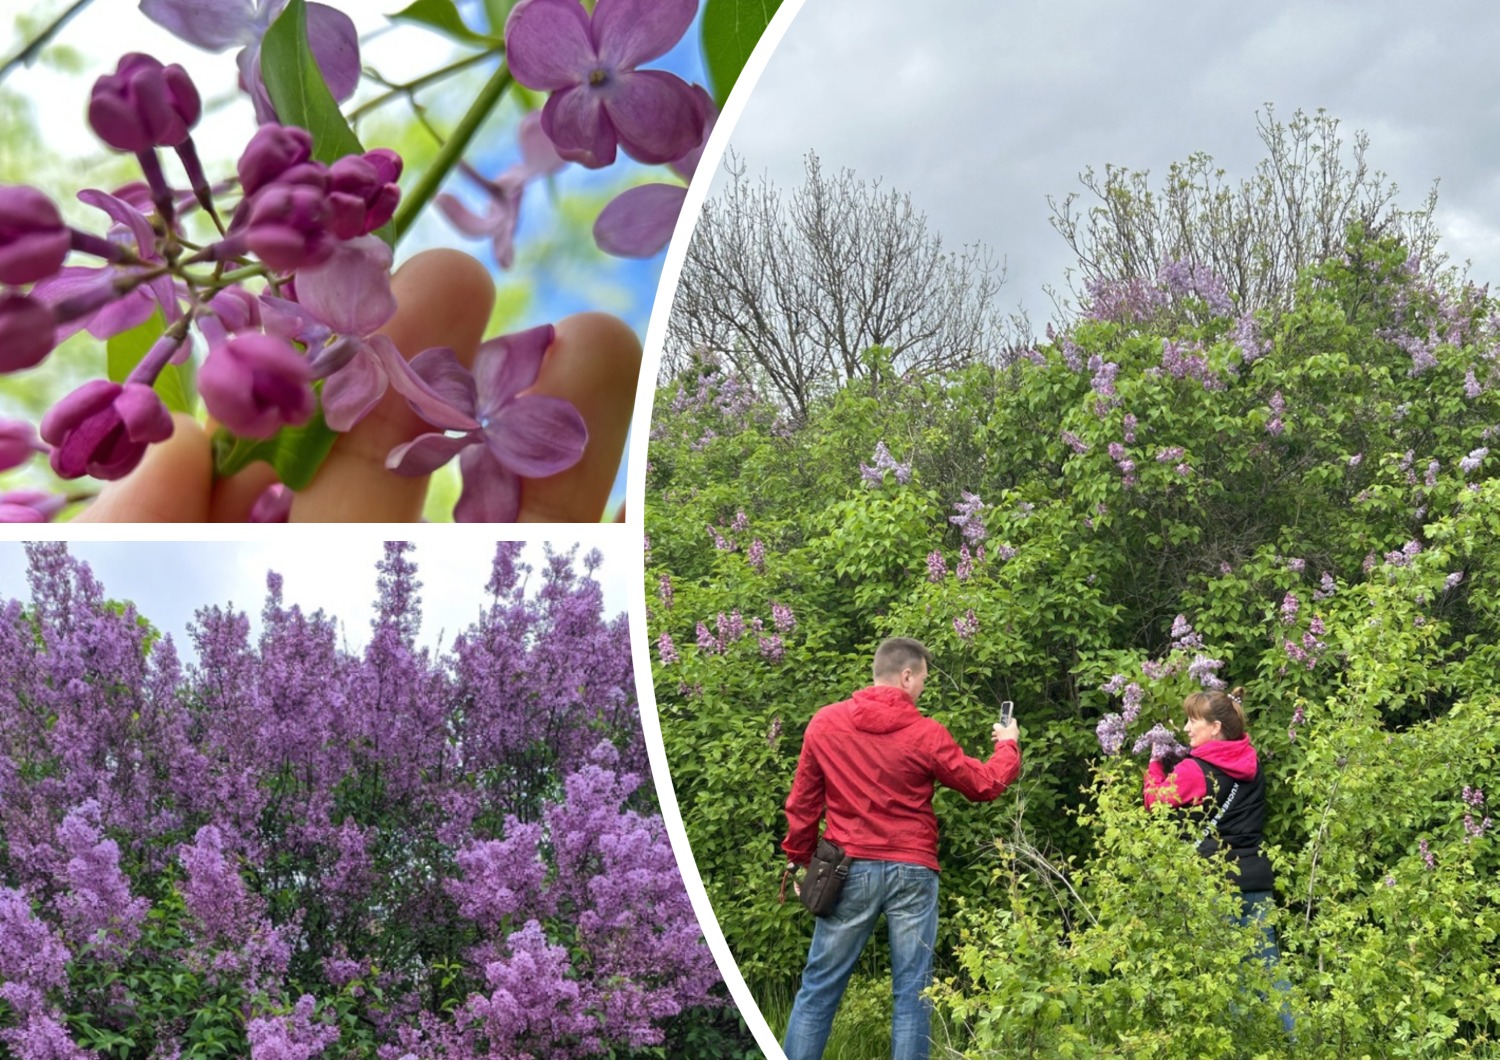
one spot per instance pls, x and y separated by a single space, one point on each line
784 875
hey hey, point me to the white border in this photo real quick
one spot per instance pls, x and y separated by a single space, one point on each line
635 498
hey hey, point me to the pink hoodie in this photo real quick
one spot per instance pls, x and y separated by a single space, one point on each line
1186 784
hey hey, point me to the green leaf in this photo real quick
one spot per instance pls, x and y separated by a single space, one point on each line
443 16
297 87
125 351
295 452
731 29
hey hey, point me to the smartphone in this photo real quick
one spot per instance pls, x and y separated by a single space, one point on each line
1007 710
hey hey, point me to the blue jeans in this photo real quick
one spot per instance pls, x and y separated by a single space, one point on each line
908 896
1255 907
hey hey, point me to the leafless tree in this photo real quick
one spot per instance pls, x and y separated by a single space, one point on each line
841 281
1256 235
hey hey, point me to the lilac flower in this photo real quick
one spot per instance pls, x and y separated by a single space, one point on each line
1155 671
1204 669
1114 685
1076 444
774 733
1129 426
666 649
1289 606
103 429
256 384
28 330
772 648
503 194
664 590
1475 829
970 518
297 1034
706 640
782 616
18 443
1472 387
1426 854
1355 460
1296 565
1169 454
598 97
965 568
1183 635
721 543
1162 742
503 436
731 628
217 25
966 625
1474 797
1430 479
1326 587
756 556
33 239
1006 552
1474 459
1111 733
937 567
1132 702
740 523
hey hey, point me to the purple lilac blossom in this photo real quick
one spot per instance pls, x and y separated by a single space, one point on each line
598 99
756 556
504 194
970 518
1162 742
1203 670
966 625
1111 733
1289 606
1132 702
937 567
1474 459
771 648
665 649
782 616
638 222
965 569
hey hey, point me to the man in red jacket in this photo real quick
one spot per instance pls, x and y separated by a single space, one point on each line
868 765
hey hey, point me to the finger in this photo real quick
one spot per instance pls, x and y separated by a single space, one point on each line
234 497
594 363
443 299
170 485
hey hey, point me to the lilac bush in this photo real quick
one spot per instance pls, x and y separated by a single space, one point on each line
332 853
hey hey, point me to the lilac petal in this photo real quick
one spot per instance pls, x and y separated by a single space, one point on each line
547 44
164 291
213 25
425 454
451 409
122 315
144 415
248 60
537 436
632 32
687 165
492 492
576 122
121 211
464 219
508 365
352 391
446 376
351 292
71 280
656 115
539 156
335 46
638 223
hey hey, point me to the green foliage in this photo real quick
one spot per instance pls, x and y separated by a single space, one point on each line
297 87
1311 491
175 382
731 29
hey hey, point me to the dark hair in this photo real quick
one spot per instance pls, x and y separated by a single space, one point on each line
895 654
1215 705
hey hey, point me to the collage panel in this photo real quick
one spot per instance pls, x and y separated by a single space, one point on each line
279 260
390 801
1070 549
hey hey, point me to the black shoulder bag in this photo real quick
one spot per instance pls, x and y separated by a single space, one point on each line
820 886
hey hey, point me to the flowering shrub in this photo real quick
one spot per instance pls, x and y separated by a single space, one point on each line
1050 549
288 849
257 296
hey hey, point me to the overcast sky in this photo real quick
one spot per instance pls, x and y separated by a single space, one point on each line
980 109
169 581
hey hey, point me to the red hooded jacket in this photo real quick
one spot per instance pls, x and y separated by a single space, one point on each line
1186 784
869 763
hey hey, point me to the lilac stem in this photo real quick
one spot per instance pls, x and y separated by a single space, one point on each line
161 192
150 366
89 243
201 190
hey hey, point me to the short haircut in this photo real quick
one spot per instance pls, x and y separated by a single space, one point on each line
895 654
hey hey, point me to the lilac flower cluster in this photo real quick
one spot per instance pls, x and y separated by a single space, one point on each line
1183 280
309 803
1076 444
965 569
1274 426
1204 670
1187 360
1289 606
970 518
1326 587
665 649
1162 742
966 625
884 462
755 556
1111 733
937 567
1124 463
1475 458
1129 301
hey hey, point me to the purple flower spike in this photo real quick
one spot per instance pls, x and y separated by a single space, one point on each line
144 104
599 99
506 435
103 428
255 384
272 151
27 330
33 239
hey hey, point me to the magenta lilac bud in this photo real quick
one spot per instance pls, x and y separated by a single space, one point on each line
358 198
30 506
33 239
290 226
103 428
18 442
255 384
27 331
271 152
143 105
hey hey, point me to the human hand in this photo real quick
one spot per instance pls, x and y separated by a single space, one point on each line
444 299
1009 731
